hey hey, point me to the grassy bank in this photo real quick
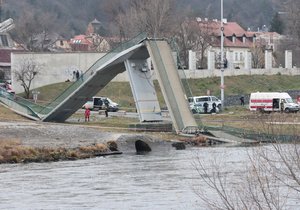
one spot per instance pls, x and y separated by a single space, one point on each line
121 91
8 115
12 151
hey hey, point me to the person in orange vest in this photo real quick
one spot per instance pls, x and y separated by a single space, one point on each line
87 114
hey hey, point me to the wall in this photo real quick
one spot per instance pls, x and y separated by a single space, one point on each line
56 67
203 73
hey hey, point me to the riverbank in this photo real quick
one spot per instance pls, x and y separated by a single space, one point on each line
23 140
29 141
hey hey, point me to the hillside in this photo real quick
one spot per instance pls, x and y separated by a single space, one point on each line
71 17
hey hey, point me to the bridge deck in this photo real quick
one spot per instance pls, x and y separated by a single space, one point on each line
170 84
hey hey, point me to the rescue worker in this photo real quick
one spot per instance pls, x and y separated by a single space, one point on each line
205 105
87 114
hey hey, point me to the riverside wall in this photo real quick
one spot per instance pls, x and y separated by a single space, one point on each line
59 67
53 67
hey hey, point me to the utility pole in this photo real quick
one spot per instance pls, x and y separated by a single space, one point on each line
222 57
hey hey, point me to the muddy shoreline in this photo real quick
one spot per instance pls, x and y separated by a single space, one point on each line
40 134
29 141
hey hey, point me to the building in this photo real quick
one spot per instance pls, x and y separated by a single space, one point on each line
91 41
237 43
270 40
7 46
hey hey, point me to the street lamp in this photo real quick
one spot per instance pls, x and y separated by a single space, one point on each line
222 56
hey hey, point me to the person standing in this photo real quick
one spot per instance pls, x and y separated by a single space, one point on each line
87 114
205 105
77 75
242 99
281 105
106 103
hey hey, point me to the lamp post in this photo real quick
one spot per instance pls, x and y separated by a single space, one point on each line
222 56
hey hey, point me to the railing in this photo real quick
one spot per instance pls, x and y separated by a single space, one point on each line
19 104
84 77
258 136
22 105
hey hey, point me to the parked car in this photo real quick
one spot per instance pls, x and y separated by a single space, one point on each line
98 103
197 104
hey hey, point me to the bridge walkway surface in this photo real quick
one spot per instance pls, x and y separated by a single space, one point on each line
104 70
171 86
88 85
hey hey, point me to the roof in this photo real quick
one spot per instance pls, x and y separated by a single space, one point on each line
80 39
233 33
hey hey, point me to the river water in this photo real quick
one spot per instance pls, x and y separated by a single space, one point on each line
165 179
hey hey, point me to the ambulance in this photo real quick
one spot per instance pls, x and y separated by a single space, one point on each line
272 102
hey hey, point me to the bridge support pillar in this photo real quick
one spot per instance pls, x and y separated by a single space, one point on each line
143 90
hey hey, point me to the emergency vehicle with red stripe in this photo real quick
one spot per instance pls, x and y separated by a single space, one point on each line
272 102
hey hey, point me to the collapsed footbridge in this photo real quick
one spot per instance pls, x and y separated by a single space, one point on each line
132 57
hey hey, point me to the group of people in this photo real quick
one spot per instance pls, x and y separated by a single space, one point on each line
77 75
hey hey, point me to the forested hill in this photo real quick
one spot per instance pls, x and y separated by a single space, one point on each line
72 16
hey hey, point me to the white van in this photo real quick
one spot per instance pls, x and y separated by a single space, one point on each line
197 103
98 103
272 102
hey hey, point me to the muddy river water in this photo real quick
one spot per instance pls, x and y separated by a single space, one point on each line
162 179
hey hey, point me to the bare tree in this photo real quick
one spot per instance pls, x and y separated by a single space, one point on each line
197 36
258 56
153 17
33 30
270 178
26 72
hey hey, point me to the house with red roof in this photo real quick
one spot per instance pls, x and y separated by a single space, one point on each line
91 41
237 41
242 48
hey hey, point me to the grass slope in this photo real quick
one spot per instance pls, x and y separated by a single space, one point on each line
121 91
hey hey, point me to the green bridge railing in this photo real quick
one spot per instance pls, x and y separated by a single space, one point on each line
254 135
41 110
19 104
89 73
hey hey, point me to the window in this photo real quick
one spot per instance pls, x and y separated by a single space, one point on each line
214 98
4 40
241 56
233 39
202 99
